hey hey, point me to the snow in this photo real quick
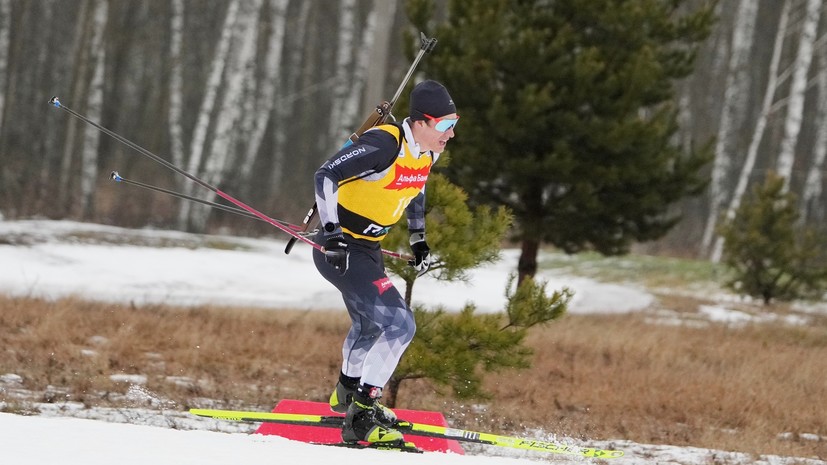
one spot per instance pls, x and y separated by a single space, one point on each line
738 318
144 437
59 262
89 442
53 259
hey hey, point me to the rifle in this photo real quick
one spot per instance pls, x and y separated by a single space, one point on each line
377 116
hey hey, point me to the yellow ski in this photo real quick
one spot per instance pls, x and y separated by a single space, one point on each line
416 429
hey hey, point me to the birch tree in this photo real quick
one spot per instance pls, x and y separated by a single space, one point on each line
798 87
814 183
199 139
176 83
760 126
286 96
264 100
377 66
5 26
47 141
94 109
240 63
733 112
351 107
81 59
344 62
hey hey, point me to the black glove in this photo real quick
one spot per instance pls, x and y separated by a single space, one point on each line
335 252
422 253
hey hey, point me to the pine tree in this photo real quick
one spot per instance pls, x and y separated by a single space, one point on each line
567 114
455 350
461 238
770 257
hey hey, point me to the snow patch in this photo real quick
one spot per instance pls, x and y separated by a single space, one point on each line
133 379
54 263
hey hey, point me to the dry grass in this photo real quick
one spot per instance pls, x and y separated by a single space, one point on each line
593 376
235 356
712 387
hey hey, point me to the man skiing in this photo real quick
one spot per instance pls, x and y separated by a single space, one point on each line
361 192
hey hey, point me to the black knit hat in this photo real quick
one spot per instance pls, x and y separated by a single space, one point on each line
432 98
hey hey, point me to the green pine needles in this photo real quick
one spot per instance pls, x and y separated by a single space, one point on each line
771 256
455 350
568 114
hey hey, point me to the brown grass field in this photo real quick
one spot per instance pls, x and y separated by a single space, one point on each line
593 377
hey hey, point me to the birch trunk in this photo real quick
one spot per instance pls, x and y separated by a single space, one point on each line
240 64
265 98
365 51
758 133
733 113
378 64
91 138
285 94
344 63
5 26
48 143
176 84
199 138
798 87
80 58
814 183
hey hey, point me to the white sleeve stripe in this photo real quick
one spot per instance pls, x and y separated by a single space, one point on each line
328 203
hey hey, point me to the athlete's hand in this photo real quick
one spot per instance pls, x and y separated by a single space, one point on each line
335 252
422 253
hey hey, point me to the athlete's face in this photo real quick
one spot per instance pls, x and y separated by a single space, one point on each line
434 133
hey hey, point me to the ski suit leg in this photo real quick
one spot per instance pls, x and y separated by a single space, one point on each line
382 325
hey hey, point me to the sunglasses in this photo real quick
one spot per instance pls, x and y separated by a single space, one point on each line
442 124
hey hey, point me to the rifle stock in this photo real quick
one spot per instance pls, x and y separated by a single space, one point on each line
378 116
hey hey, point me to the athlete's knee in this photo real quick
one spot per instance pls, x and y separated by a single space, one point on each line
401 327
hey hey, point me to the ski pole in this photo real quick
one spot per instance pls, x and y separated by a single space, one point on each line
115 176
56 102
378 116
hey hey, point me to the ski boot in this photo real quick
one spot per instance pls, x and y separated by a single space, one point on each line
361 425
342 397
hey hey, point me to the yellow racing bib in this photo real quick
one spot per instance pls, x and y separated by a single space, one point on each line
369 206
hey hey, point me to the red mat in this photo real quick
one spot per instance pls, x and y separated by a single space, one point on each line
333 435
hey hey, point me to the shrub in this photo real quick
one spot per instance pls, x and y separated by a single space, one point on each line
770 255
456 350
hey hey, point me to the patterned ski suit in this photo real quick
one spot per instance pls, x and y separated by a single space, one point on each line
364 189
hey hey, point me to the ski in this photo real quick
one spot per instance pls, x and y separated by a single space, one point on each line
415 429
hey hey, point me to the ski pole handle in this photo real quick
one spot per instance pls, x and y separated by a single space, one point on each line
306 225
